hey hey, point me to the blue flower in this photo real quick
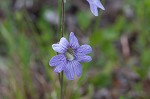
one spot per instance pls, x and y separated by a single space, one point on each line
94 5
69 57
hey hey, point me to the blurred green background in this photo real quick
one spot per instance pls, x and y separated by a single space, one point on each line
119 36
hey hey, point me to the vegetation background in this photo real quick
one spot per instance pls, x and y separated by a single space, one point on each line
119 36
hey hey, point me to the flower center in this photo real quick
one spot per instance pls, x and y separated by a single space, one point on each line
69 54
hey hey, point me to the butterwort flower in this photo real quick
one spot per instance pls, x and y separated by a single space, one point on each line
69 56
94 5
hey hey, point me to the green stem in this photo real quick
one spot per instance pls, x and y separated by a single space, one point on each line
62 32
61 76
62 17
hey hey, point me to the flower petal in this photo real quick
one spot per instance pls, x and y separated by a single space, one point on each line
99 4
77 68
83 50
73 41
85 58
62 46
69 72
58 59
93 7
60 67
56 48
64 43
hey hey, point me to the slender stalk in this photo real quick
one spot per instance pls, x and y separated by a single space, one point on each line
60 76
62 34
61 84
62 17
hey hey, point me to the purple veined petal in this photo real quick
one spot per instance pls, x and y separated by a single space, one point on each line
64 43
58 59
90 1
62 46
56 48
73 41
99 4
60 67
69 72
77 68
85 58
93 7
83 50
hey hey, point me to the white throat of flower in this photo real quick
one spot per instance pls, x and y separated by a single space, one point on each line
69 54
